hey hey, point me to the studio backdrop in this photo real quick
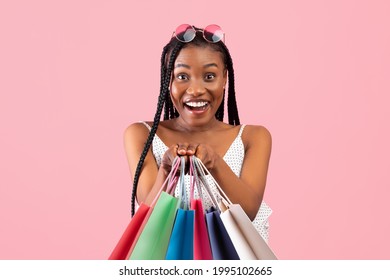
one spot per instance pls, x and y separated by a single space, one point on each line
75 74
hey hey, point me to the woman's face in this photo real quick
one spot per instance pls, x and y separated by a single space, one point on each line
199 78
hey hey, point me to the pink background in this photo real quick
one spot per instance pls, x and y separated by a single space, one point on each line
75 74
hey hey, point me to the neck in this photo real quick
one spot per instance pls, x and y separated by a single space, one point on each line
181 125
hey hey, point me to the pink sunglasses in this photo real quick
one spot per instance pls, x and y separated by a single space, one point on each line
186 33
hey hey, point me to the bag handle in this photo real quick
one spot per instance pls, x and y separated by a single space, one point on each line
194 180
184 204
173 178
179 181
223 195
205 184
169 181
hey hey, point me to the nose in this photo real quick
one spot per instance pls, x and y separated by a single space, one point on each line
196 88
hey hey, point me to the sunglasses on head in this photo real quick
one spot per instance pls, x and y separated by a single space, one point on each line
186 33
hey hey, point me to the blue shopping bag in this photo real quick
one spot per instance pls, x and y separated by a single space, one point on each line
181 243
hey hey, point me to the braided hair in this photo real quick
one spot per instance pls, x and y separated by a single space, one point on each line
168 57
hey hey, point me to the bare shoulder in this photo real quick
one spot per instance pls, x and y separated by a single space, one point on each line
256 135
136 132
258 146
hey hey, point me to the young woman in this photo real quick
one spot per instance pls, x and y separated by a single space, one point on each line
196 67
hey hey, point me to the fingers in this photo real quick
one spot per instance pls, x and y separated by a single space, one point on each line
191 149
201 151
182 149
186 149
169 157
207 155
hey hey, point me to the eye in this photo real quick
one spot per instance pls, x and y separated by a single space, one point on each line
182 77
210 76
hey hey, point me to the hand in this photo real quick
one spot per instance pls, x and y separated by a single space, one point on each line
168 158
181 150
207 155
202 151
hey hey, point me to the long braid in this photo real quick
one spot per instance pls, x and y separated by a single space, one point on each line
221 110
164 90
231 102
162 77
171 108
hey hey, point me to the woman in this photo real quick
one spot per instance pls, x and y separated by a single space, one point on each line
195 68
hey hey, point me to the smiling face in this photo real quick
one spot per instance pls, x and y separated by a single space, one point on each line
197 87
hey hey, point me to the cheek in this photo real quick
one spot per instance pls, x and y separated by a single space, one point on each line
177 88
217 88
176 95
175 92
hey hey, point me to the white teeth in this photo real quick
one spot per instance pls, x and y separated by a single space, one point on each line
196 104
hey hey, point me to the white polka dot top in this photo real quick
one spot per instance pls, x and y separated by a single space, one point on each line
234 158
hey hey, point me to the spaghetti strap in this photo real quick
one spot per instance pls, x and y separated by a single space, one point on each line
156 140
148 126
241 130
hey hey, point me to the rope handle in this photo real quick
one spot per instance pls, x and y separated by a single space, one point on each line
168 181
223 195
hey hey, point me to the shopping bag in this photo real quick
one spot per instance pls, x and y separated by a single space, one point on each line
249 243
137 223
153 235
202 249
127 242
181 243
222 247
122 248
246 239
152 244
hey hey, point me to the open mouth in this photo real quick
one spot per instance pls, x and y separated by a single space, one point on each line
198 106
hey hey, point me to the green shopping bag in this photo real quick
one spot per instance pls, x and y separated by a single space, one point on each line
153 242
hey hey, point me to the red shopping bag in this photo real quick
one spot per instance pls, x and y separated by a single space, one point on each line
122 249
202 249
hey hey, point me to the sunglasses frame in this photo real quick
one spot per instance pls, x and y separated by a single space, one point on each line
202 30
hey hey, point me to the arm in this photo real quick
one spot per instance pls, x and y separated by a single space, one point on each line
248 190
151 177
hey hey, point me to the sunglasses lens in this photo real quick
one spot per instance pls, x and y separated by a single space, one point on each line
185 33
213 33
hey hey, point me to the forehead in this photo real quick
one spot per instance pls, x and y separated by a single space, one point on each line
201 55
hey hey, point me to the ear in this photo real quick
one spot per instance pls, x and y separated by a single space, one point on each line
224 77
170 84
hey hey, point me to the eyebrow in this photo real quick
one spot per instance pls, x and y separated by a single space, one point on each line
187 66
210 65
182 65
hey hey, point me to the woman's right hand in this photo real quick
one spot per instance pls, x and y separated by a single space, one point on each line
168 158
